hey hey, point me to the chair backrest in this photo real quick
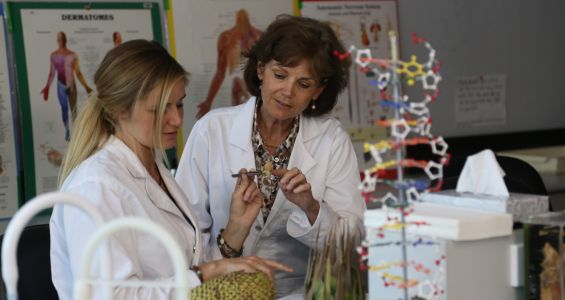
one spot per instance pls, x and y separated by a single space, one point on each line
17 226
520 177
82 287
34 263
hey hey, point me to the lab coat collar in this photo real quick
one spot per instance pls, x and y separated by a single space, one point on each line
135 167
159 197
240 133
180 198
240 141
125 155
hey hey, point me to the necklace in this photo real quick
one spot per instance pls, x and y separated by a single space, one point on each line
269 145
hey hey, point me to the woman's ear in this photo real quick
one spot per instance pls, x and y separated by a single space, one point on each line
260 70
318 91
123 116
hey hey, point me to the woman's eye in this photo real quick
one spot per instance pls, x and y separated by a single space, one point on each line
304 85
279 75
180 104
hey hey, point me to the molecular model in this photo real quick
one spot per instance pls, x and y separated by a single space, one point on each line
409 124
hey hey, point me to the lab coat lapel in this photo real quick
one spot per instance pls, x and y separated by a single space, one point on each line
180 198
153 190
177 195
138 171
300 158
160 197
240 139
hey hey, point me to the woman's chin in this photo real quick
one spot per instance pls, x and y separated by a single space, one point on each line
169 140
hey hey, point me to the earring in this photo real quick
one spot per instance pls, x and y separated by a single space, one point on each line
313 104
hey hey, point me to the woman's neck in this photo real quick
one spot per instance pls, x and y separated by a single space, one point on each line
271 127
145 154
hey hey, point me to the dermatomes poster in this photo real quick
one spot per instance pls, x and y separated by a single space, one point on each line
58 47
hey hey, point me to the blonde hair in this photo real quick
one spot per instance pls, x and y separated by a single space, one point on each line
126 75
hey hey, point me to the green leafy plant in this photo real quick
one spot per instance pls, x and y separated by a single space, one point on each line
333 269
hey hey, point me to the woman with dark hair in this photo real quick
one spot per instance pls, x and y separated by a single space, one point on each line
308 172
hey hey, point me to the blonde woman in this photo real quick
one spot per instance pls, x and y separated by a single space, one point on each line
115 160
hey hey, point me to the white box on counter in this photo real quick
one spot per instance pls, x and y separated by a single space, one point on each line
519 205
450 253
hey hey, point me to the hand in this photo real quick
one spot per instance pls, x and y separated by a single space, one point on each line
45 92
245 206
247 264
203 108
298 191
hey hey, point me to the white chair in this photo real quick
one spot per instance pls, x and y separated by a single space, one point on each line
82 283
22 217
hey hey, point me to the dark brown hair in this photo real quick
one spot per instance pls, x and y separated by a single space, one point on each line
288 40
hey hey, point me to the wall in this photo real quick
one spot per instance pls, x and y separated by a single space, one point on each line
523 40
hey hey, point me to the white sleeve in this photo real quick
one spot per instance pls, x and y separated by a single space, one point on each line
342 198
193 178
77 226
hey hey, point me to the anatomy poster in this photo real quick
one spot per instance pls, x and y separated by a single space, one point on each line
364 25
58 47
9 168
212 39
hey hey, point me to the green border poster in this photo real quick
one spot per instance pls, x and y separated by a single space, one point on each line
57 49
10 184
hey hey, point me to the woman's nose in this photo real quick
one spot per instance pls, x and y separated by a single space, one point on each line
288 88
175 116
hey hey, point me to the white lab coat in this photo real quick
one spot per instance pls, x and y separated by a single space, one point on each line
220 145
116 183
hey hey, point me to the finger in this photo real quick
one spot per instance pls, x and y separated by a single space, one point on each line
295 181
272 264
277 265
295 171
279 172
261 266
251 264
242 181
289 175
257 197
285 178
249 191
302 188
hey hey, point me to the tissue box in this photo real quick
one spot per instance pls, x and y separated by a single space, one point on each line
455 253
519 205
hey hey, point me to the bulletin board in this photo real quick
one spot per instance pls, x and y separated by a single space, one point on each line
502 63
68 40
10 173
